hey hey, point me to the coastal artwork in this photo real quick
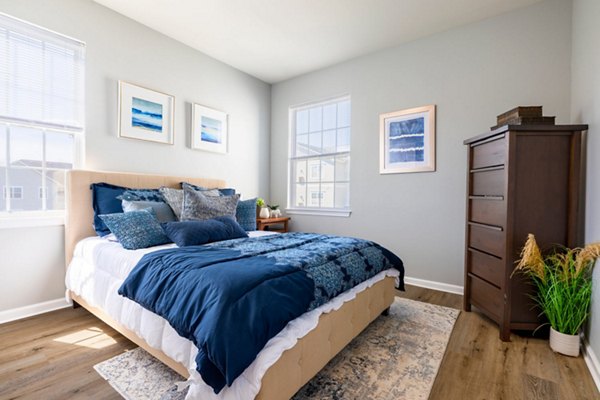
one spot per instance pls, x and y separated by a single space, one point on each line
209 129
147 114
407 141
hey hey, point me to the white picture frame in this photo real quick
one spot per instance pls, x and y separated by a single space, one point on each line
145 114
407 141
209 129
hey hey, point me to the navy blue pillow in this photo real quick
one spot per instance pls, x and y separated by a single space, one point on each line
193 233
224 192
246 214
104 201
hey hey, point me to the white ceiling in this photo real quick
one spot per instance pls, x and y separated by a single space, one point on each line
275 40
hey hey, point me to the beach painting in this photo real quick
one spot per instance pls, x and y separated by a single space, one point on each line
209 129
145 114
407 140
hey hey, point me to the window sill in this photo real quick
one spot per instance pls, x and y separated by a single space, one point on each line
17 220
325 212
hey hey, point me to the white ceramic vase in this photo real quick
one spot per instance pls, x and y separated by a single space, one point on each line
264 212
564 344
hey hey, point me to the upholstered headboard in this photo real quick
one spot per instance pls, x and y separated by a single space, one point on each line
80 214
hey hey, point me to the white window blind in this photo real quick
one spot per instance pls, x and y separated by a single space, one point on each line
320 157
41 113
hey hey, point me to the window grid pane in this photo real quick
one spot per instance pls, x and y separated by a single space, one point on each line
41 114
320 156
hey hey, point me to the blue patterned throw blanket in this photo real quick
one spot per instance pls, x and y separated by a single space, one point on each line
229 298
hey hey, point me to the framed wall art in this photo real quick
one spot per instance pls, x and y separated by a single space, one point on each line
209 129
145 114
407 141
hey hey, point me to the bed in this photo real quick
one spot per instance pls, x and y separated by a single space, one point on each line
286 363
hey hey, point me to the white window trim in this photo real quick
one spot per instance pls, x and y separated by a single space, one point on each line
323 212
315 211
31 219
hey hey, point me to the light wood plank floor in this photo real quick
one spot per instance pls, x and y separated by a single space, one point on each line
51 357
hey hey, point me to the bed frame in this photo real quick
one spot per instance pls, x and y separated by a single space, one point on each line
296 365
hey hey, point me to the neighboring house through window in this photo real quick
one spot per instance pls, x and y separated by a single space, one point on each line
320 158
41 114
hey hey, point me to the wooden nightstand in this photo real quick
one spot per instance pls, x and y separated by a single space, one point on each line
264 224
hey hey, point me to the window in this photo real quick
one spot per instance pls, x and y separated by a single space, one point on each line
41 114
15 192
320 158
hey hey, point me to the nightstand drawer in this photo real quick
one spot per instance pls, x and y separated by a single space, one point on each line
488 183
489 154
487 211
487 239
486 267
486 297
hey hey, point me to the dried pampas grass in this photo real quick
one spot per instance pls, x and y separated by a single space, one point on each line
586 257
531 259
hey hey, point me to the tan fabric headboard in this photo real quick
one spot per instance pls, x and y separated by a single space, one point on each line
80 214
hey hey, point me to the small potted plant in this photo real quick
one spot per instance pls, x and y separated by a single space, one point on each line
275 211
564 289
264 210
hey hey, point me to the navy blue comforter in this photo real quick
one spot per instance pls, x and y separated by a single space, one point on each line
231 297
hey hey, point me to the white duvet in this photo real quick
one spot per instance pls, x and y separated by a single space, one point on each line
100 266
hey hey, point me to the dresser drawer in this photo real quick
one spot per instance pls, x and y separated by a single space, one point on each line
487 239
487 183
486 297
489 154
488 211
486 267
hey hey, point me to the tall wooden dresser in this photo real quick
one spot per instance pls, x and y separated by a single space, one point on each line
522 179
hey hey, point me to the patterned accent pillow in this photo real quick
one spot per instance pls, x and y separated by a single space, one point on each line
246 214
197 206
161 209
222 192
136 229
142 195
174 198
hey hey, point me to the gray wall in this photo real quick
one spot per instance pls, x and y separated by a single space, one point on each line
121 49
585 108
472 74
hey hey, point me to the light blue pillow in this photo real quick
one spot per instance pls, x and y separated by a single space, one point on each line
136 229
245 214
162 210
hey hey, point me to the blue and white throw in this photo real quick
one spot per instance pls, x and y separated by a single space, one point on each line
231 297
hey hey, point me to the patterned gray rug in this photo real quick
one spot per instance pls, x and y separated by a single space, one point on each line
397 357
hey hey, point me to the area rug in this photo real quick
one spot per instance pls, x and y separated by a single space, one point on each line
397 357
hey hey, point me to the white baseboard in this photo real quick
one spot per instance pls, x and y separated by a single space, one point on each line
32 309
443 287
592 362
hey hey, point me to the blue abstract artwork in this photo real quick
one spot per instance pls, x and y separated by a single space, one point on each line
211 130
407 140
146 114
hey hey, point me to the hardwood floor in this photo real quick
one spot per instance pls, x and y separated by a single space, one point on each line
51 356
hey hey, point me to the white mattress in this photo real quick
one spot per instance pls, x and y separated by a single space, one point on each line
100 266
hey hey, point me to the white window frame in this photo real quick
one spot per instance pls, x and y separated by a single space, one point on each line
35 218
319 211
